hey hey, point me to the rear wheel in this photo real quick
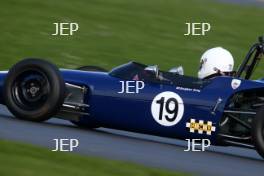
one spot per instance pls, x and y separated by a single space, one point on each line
89 125
258 132
34 90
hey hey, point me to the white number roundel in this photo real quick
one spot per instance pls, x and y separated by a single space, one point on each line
167 108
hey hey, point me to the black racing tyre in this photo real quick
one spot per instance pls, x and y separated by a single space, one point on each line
89 125
258 132
92 68
34 90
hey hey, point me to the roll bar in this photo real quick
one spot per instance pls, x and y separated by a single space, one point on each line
247 66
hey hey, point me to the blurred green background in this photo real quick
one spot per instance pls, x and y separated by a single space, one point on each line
113 32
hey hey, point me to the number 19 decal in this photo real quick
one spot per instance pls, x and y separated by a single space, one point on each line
167 108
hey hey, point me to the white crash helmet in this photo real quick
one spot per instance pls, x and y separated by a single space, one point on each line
215 60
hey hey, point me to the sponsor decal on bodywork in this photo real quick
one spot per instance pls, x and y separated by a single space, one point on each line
188 89
200 127
235 83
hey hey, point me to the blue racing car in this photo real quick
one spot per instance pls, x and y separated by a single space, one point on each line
228 110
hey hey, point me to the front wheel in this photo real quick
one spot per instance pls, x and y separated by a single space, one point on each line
258 131
34 90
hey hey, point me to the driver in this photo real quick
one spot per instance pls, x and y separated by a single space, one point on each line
216 62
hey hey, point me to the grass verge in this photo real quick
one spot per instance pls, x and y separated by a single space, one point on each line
25 160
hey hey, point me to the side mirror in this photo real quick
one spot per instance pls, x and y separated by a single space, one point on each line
153 69
177 70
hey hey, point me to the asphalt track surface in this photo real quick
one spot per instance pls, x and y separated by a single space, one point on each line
142 149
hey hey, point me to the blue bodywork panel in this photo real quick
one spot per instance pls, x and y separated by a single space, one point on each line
132 112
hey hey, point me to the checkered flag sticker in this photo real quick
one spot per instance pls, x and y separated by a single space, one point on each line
200 126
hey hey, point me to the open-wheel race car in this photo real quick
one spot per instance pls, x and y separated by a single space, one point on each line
228 110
